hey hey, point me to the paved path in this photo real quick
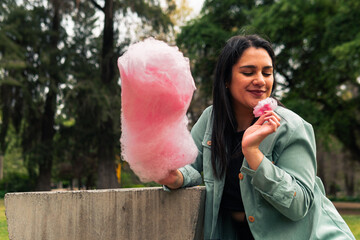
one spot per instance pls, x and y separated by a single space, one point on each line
348 208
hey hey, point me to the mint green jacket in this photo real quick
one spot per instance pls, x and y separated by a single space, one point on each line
283 198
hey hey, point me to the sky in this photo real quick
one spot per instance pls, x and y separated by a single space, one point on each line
196 5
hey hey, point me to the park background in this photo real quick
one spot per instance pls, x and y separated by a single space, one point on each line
60 89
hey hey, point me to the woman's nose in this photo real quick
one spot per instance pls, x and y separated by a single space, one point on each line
259 80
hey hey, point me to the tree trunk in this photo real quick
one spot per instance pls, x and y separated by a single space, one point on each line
334 170
48 117
349 184
44 178
5 101
107 57
1 166
321 164
106 154
106 166
349 175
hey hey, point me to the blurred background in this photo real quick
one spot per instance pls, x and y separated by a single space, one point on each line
60 89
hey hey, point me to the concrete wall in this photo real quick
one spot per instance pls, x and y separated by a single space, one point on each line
138 213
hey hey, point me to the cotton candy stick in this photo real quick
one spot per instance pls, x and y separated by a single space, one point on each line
157 88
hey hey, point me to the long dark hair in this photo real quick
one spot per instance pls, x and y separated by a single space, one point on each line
224 122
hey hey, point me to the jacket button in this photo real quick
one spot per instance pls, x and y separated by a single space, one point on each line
208 143
241 176
251 219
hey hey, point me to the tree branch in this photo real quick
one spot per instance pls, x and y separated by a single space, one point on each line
97 5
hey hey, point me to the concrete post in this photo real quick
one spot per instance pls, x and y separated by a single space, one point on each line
137 213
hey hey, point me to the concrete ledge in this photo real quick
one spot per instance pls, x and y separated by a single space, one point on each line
137 213
348 208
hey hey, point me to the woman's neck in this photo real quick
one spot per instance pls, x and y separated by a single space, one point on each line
244 118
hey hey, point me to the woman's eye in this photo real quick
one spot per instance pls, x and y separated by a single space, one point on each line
247 73
267 74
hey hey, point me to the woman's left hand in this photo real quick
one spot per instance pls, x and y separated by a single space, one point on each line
255 134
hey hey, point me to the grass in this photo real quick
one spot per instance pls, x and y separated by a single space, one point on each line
353 222
3 225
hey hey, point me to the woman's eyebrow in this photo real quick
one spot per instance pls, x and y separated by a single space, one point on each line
253 66
268 67
248 66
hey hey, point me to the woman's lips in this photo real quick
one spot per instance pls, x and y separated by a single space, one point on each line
257 93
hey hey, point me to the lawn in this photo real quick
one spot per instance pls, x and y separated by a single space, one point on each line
352 220
3 225
354 224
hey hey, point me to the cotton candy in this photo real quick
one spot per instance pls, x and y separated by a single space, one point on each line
157 88
267 104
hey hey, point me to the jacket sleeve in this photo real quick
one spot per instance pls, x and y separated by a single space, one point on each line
288 183
192 172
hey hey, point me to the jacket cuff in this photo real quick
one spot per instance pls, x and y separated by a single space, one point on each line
272 182
191 176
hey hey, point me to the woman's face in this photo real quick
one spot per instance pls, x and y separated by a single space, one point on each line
252 79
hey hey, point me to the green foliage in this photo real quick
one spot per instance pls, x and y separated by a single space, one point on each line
151 14
318 48
344 199
16 182
52 89
130 180
33 30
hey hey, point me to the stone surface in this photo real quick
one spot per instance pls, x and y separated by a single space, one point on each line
137 213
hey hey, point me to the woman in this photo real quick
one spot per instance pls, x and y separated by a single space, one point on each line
259 173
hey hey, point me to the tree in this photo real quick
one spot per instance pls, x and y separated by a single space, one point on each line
10 59
317 44
318 47
33 90
203 38
76 141
42 68
48 116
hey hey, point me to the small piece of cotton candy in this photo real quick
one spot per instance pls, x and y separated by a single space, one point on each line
157 88
268 104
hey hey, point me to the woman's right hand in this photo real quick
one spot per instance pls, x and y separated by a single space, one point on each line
174 180
255 134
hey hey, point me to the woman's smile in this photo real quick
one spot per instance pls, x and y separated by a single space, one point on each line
257 93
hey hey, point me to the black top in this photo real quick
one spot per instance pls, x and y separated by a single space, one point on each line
231 198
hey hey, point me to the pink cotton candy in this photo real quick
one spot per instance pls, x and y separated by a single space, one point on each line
157 88
268 104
